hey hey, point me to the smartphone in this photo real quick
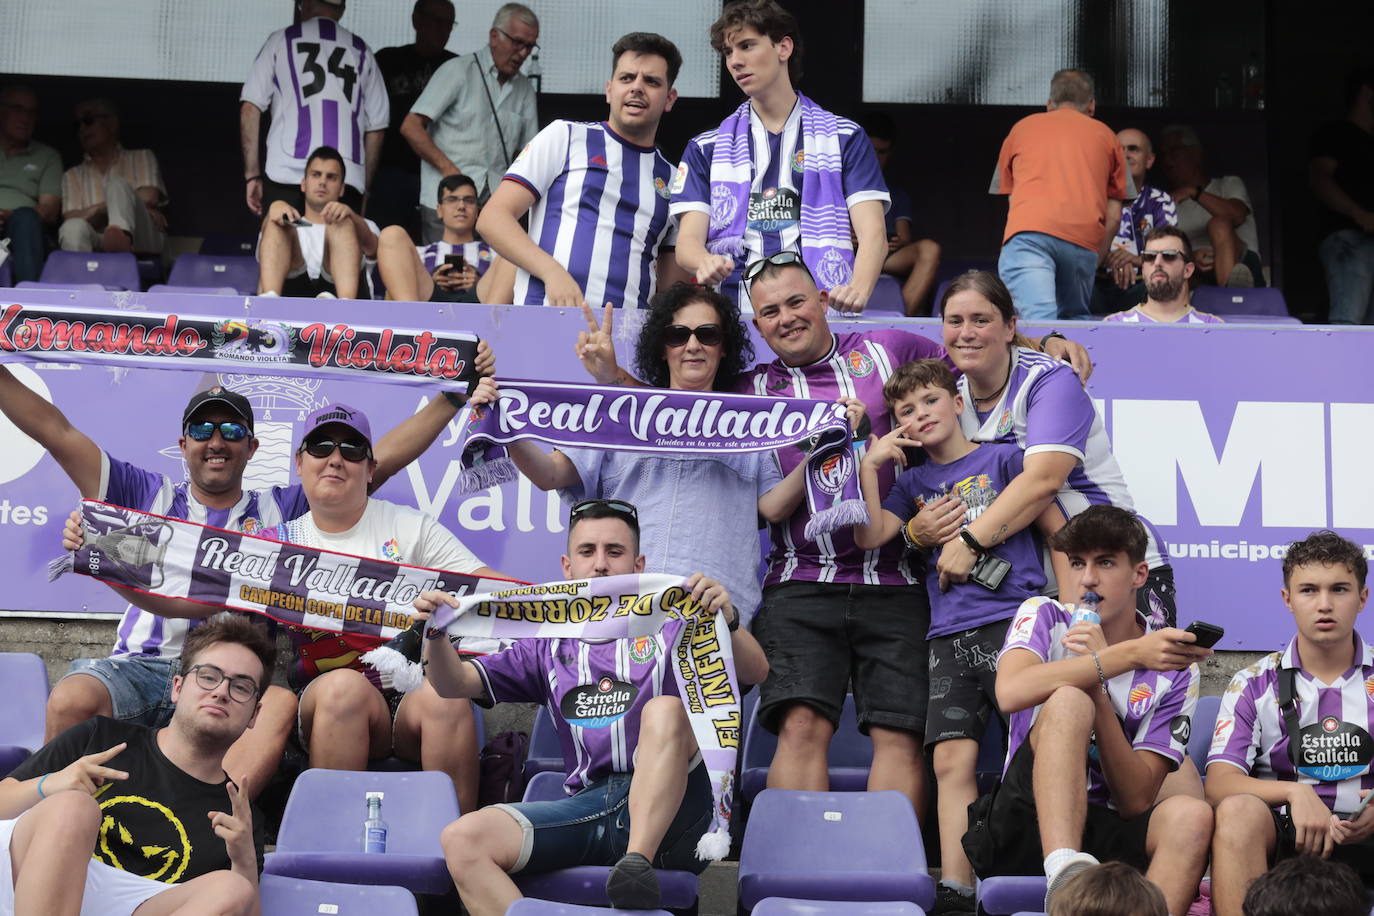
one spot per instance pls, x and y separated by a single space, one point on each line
1360 807
1207 634
457 262
989 571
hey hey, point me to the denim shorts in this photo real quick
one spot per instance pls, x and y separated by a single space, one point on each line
593 826
140 686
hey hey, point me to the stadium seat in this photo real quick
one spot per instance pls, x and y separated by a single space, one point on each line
788 906
585 885
533 906
208 270
887 296
1262 319
24 682
860 846
6 273
545 753
64 287
221 244
281 896
1204 720
850 758
117 271
321 834
939 298
1009 894
193 290
1224 301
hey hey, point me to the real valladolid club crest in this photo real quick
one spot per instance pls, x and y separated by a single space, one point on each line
833 270
834 471
723 206
253 341
860 364
661 188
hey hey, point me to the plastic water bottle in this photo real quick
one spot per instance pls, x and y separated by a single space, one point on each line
1086 609
374 828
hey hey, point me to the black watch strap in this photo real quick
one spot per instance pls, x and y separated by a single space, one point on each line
972 542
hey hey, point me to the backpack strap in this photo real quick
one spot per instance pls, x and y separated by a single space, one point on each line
1288 706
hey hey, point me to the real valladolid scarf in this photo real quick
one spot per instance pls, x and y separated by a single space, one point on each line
826 246
668 421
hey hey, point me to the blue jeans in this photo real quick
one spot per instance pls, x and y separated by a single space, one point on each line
1048 277
24 229
1348 256
140 686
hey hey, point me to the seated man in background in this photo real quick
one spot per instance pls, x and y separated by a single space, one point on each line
1215 213
30 183
170 830
326 252
1119 283
1167 260
639 794
112 201
449 270
914 262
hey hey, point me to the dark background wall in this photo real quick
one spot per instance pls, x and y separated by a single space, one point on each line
946 153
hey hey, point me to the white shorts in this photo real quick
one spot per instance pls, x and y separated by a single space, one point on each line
109 891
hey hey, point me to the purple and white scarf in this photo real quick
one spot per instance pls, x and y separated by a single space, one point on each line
826 238
669 421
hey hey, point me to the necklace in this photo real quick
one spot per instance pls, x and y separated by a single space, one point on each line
1000 388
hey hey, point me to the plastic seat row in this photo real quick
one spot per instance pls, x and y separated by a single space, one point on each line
192 273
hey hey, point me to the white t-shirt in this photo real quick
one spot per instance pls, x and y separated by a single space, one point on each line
388 531
1193 216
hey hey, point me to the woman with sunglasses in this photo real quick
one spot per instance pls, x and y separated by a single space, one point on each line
696 511
1015 394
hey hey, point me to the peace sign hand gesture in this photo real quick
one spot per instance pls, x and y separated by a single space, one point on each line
595 347
86 774
236 827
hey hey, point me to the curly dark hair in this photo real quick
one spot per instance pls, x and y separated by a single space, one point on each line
737 351
1327 548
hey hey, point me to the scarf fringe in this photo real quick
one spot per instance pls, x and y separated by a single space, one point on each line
729 246
714 844
486 475
60 565
844 514
406 676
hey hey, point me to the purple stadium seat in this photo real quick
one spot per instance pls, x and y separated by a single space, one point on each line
221 243
1224 300
533 906
193 290
64 287
850 758
112 271
1262 319
545 754
939 297
1200 741
887 296
862 846
295 896
787 906
237 271
322 827
6 273
1011 894
24 681
586 884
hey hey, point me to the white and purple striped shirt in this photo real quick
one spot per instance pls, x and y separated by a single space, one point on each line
324 88
121 483
601 210
477 254
1155 707
856 367
1136 316
1250 733
1045 409
594 692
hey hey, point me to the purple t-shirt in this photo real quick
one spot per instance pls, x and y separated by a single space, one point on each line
857 366
1155 707
594 692
977 478
1250 733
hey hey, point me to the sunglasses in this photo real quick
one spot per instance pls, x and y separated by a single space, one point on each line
708 335
351 451
1168 256
615 505
781 259
228 430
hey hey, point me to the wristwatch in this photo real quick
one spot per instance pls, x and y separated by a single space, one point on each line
972 542
1052 335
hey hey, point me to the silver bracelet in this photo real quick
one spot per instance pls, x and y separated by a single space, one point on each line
1101 675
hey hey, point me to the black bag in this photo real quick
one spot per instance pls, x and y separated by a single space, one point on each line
978 842
503 769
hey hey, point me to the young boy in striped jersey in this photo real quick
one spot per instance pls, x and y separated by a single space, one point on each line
424 274
597 193
1291 751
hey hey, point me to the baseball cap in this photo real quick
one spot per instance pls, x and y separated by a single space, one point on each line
219 395
341 414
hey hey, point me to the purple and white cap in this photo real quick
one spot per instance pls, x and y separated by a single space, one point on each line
340 414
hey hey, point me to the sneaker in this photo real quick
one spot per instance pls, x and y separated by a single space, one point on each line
951 902
325 295
1240 277
633 885
1079 861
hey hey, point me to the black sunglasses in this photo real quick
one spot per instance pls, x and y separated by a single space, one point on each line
781 259
1168 256
351 451
677 335
615 505
228 430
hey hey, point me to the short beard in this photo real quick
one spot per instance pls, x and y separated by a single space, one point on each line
1166 290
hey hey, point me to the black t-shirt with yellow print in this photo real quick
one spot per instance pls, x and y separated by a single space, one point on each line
154 823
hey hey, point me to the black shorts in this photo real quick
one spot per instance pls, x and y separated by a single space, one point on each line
1013 831
1359 856
963 682
302 286
1156 598
820 636
293 195
453 295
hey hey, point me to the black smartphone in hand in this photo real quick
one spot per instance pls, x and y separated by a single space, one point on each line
1207 634
457 262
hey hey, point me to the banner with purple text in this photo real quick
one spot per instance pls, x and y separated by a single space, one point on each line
1234 440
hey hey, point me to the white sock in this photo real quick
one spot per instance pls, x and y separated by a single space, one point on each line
1056 860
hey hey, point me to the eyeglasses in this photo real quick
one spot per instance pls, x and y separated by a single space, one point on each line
351 451
468 201
1168 256
527 46
228 430
618 506
242 689
781 259
708 335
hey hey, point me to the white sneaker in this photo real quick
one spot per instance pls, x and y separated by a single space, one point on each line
325 295
1079 861
268 295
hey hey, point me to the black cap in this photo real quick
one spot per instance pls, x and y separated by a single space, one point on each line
217 395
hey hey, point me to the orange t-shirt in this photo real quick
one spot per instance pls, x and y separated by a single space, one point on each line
1060 168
